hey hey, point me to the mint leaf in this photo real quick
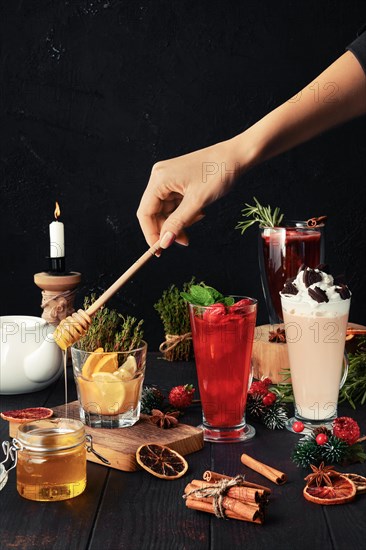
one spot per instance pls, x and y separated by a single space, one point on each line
216 295
229 301
201 295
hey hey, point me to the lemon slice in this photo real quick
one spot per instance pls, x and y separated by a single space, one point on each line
104 377
112 392
128 370
90 363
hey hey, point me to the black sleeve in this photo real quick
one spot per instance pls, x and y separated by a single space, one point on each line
358 48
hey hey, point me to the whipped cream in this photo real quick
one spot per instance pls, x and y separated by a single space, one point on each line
314 290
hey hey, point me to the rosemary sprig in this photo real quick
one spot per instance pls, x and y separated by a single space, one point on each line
111 330
259 214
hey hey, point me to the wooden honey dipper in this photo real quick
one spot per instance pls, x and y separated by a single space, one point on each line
75 326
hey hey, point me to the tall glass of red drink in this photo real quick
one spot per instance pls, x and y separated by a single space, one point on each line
222 340
282 250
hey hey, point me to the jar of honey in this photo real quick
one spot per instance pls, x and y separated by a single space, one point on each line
51 459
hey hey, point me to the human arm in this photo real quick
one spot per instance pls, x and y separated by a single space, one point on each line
180 188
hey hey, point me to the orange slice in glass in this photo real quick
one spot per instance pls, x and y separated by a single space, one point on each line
107 363
161 461
90 363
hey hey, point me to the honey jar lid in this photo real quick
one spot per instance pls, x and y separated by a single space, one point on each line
51 434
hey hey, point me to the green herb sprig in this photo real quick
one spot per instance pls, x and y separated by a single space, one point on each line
174 315
111 330
203 295
259 214
354 388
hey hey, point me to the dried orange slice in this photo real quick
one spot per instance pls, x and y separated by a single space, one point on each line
341 491
359 481
27 415
161 461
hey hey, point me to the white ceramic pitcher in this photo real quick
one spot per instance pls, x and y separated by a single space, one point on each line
30 360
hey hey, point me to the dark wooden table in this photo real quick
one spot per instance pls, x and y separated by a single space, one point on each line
121 510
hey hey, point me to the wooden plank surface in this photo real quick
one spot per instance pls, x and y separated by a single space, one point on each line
119 445
27 525
120 510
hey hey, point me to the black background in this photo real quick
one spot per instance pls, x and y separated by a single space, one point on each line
94 92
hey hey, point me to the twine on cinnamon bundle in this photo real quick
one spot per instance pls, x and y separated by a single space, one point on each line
217 491
172 340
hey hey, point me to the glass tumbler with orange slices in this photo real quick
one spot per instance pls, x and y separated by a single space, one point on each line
109 385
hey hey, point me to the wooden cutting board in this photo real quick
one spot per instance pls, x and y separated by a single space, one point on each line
119 445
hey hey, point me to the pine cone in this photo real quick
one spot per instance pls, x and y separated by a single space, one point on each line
321 430
151 398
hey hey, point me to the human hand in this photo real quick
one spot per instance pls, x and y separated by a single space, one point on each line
179 189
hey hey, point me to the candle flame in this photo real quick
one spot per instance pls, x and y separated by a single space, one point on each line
57 211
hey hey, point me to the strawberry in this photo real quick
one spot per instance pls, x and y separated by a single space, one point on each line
214 313
181 397
241 305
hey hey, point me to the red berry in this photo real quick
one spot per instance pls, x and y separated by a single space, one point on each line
258 388
181 397
267 381
321 439
298 426
241 306
214 313
269 399
347 429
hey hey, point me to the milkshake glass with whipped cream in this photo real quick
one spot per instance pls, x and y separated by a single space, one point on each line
315 312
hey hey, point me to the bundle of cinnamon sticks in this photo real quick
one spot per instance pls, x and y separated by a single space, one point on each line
239 499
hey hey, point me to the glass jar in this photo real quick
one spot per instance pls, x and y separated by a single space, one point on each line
51 459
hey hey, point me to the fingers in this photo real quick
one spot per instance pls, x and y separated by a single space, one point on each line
167 207
148 213
173 228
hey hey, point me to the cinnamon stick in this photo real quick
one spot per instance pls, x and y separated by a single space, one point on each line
210 476
247 495
267 471
203 506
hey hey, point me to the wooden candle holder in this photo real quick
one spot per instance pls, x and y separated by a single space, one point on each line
269 359
58 293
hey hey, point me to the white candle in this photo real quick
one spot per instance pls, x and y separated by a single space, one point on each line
57 237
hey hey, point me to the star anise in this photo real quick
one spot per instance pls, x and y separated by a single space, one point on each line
321 476
164 420
277 336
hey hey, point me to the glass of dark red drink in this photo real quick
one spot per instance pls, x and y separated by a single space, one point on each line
282 250
222 340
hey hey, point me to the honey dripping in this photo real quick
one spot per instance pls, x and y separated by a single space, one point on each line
64 352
